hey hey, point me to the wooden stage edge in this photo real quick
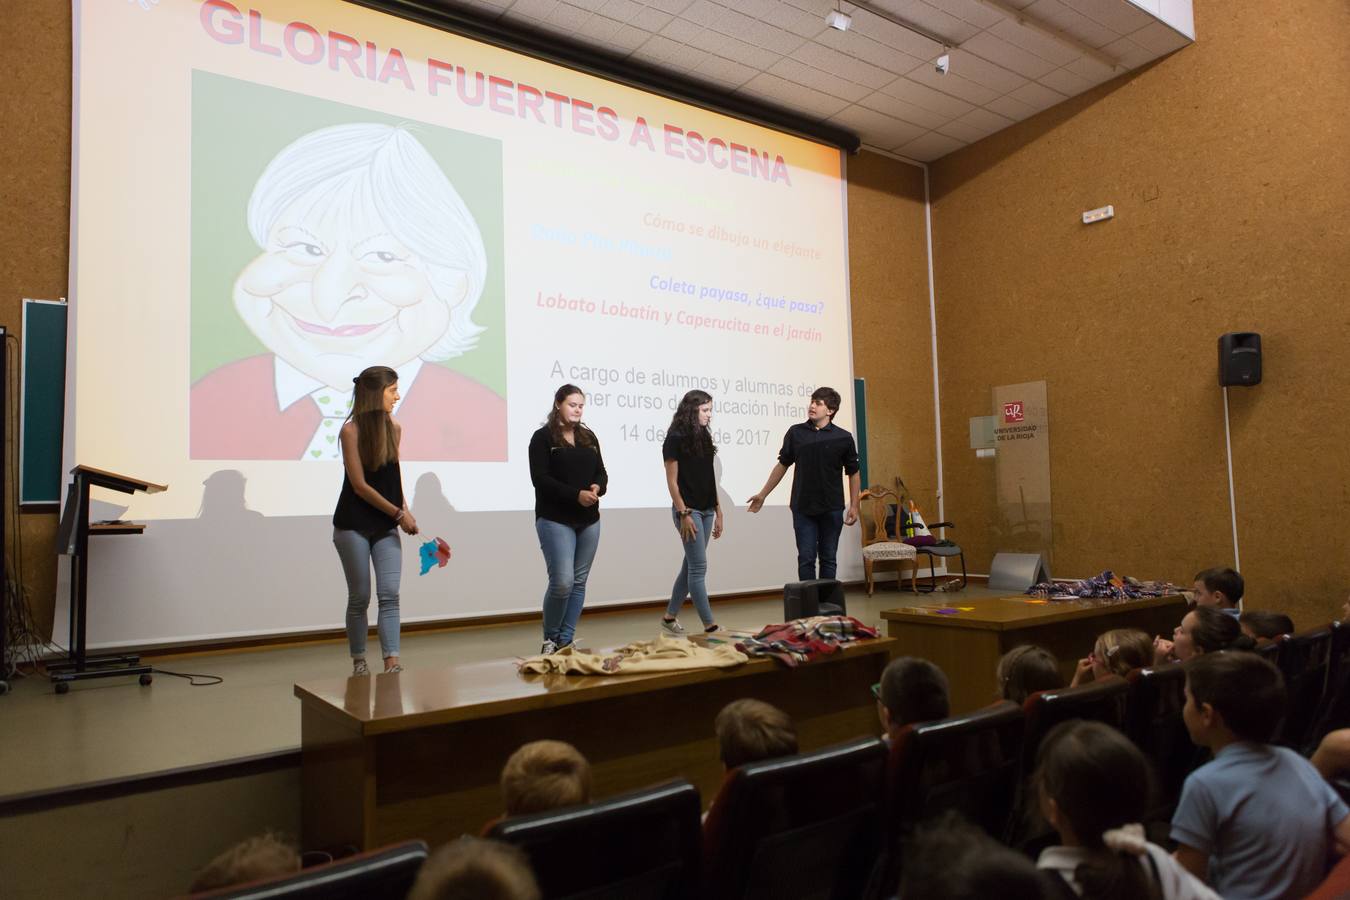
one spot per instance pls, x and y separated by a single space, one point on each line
418 754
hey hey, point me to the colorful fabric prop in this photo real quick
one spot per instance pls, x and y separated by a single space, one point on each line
433 554
1107 586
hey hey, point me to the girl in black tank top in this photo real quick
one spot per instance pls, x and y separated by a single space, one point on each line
370 511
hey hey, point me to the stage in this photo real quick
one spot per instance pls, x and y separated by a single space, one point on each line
124 771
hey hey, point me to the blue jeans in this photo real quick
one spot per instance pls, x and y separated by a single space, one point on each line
817 535
358 554
691 580
568 554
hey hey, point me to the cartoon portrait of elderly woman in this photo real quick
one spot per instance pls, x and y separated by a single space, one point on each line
367 255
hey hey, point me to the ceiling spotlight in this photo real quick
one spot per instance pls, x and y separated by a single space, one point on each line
943 64
838 20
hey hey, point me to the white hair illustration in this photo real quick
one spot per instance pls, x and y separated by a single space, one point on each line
383 170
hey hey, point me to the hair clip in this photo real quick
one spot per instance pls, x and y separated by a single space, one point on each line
356 379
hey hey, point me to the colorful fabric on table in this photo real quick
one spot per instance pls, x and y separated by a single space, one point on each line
802 640
1107 585
661 655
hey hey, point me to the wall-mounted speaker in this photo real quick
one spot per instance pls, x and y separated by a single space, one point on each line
1239 358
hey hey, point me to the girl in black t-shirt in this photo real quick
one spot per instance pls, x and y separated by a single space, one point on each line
688 452
370 511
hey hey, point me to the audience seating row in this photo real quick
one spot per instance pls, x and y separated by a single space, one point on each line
846 807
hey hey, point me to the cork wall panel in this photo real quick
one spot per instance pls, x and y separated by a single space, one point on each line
35 104
1228 173
888 268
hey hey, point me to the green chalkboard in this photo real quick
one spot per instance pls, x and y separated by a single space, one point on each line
860 417
42 407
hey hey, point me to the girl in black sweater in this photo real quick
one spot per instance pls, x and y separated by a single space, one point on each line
569 479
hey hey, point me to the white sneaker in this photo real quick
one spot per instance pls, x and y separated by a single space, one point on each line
548 649
672 628
359 668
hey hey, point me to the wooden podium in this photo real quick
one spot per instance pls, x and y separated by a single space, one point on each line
73 541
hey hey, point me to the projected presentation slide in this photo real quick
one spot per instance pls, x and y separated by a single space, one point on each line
271 196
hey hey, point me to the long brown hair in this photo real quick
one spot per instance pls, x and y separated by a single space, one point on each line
580 434
374 428
695 439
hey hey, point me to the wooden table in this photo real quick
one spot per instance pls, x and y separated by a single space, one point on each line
967 644
418 754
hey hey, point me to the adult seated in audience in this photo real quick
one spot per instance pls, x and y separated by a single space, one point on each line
951 859
476 869
1116 652
1220 588
1026 669
264 856
1262 625
1258 821
545 775
1093 788
750 730
911 690
1202 630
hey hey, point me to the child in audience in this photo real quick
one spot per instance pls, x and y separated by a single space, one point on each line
1116 652
1260 625
1202 630
1026 669
476 869
1332 757
264 856
1257 820
1220 588
544 775
750 730
1093 788
951 859
911 690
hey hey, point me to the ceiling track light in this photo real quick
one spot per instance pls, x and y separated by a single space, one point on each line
938 39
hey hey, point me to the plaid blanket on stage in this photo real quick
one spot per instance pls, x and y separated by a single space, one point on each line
1107 585
793 643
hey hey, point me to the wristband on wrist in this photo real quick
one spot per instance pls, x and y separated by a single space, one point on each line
399 518
686 512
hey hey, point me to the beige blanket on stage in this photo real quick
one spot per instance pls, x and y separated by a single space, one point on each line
661 655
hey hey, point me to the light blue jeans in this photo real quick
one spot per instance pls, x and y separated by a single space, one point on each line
691 581
568 553
358 554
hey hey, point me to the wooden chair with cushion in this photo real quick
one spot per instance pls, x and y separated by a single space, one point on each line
879 544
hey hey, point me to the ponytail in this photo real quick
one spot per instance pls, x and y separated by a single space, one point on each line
1113 872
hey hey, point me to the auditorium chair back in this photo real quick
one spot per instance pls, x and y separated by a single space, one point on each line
967 763
1305 660
1102 700
1270 650
384 874
1153 721
641 845
806 827
1334 711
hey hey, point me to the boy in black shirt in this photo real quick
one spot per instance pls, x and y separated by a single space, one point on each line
821 451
